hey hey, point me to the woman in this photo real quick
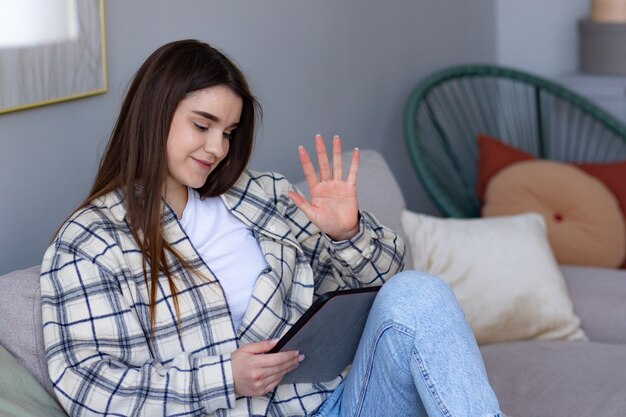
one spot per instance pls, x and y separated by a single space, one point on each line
164 291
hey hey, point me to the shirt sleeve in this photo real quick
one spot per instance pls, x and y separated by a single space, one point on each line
371 257
99 356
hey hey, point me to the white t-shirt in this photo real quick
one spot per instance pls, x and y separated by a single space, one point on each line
228 248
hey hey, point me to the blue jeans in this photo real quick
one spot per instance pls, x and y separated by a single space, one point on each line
417 357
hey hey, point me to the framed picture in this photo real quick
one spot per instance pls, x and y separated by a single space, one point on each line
39 75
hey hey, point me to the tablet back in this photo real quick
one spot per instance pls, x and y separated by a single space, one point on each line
328 334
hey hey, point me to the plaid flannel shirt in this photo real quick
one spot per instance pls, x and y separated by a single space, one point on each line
102 359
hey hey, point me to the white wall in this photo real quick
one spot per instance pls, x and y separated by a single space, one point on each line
324 66
539 36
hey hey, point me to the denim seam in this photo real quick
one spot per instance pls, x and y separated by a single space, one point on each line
370 361
429 384
400 328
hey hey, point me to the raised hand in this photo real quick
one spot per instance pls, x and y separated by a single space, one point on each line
256 372
333 207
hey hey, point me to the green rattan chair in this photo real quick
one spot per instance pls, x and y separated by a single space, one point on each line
447 111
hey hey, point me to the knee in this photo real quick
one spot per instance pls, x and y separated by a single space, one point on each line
411 289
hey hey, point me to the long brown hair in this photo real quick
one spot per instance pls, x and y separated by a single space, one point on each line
136 152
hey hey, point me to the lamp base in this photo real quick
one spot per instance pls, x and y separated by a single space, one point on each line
602 47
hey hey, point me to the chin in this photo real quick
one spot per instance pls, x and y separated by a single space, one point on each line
196 182
196 185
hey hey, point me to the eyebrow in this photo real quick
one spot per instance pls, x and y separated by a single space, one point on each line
211 117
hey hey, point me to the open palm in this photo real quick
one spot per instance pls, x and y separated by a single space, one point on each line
333 207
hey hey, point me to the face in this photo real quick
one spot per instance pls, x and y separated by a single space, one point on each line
199 138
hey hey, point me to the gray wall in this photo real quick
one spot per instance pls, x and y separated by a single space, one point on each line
324 66
538 35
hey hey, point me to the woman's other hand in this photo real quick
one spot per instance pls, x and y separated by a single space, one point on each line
333 207
256 372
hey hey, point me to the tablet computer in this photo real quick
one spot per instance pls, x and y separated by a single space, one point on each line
328 334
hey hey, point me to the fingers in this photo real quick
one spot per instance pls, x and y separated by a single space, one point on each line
337 163
275 362
258 373
354 167
322 158
277 367
259 347
272 359
325 172
307 167
274 379
265 366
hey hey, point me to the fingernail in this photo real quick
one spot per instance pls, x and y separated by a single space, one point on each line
300 358
300 147
274 340
356 149
296 353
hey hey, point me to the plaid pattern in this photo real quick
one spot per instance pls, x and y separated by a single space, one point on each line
102 359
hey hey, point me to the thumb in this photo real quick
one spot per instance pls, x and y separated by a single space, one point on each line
296 198
302 204
259 347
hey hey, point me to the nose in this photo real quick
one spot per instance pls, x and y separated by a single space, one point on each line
216 145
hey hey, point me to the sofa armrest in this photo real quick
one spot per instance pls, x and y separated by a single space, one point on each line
599 297
21 330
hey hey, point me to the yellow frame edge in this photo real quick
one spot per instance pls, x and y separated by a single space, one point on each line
105 77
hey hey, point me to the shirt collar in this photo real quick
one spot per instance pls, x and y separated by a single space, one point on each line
246 199
254 206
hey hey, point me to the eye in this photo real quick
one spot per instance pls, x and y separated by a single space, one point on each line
229 135
200 127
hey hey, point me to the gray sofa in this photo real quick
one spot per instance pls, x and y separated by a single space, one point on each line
531 378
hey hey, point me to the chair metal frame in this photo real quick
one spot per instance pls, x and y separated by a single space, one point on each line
448 109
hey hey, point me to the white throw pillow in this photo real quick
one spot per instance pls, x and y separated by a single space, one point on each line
501 270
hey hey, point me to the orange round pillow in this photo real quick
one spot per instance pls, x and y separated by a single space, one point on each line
584 221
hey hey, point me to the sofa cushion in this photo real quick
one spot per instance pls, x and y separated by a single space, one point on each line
21 333
598 295
20 394
557 379
494 155
501 270
584 220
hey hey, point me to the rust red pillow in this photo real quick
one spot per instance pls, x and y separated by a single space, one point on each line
494 155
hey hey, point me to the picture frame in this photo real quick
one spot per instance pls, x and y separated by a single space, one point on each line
40 75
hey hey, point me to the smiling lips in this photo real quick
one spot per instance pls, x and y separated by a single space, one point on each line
203 164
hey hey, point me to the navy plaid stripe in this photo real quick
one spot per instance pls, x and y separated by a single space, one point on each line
104 360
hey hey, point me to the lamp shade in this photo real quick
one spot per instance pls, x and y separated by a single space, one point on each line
608 11
35 22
